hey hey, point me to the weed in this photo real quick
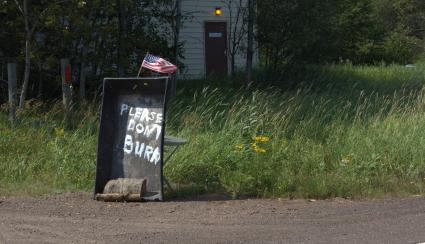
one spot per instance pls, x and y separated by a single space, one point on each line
347 131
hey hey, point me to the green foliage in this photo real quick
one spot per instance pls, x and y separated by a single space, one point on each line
105 38
345 131
109 38
363 32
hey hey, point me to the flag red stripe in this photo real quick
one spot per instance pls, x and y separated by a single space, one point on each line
159 69
160 65
147 65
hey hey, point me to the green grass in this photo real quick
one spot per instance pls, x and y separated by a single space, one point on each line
342 131
39 156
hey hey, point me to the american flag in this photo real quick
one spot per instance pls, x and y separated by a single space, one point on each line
158 64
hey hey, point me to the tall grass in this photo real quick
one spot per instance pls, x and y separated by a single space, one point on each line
342 131
41 156
346 131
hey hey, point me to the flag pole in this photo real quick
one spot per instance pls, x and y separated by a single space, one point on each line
140 70
141 66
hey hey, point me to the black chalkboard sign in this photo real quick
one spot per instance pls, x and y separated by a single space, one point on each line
131 133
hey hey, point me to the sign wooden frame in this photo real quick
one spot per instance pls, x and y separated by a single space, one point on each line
131 134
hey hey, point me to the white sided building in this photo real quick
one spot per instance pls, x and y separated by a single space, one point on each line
212 32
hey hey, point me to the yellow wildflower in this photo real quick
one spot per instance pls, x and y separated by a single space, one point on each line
239 147
262 139
347 159
260 150
59 132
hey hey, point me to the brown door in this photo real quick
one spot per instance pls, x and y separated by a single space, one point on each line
216 48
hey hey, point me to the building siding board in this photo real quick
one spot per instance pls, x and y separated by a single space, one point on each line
192 34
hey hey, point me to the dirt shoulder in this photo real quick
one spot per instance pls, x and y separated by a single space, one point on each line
75 218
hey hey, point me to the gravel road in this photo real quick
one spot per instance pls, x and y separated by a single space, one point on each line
75 218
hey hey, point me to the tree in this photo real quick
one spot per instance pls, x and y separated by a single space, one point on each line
32 16
400 26
250 48
171 18
176 25
238 15
29 31
10 39
293 33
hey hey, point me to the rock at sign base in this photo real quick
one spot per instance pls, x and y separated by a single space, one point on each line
116 197
123 189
